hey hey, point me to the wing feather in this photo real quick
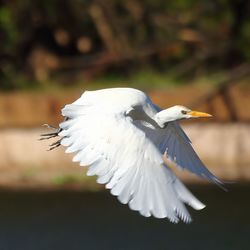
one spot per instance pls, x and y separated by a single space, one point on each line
126 160
173 142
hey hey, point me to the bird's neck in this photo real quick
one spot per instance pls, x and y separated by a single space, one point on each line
163 117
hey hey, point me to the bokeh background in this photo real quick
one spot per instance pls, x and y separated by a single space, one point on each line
190 52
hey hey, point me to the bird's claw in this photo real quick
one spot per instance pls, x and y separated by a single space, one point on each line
51 135
54 145
48 126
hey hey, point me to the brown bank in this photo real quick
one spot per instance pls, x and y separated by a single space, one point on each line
25 163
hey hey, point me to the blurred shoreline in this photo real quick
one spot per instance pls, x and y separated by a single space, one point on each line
32 109
26 163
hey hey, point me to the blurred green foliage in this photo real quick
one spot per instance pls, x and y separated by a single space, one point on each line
88 183
91 40
9 30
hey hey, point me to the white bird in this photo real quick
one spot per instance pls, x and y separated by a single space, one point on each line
122 137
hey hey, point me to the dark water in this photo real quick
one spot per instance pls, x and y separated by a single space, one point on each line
78 220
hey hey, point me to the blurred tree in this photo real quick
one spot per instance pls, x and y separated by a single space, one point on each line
39 38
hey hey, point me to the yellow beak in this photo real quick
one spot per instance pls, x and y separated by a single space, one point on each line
198 114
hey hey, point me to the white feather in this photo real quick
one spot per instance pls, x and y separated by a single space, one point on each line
126 153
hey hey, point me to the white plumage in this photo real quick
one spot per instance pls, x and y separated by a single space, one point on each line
121 136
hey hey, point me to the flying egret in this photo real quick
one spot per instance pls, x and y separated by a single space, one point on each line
123 137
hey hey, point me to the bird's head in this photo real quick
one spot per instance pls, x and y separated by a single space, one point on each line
182 112
177 112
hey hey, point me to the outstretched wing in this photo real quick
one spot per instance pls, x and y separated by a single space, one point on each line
124 158
173 142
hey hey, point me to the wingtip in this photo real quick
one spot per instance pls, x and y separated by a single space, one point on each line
199 206
220 184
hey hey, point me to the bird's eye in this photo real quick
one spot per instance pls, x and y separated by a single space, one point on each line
184 112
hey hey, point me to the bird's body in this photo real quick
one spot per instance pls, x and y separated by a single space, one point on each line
117 100
123 137
114 97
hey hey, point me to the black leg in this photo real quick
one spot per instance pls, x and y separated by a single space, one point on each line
51 135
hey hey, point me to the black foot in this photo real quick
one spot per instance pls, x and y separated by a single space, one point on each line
51 135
